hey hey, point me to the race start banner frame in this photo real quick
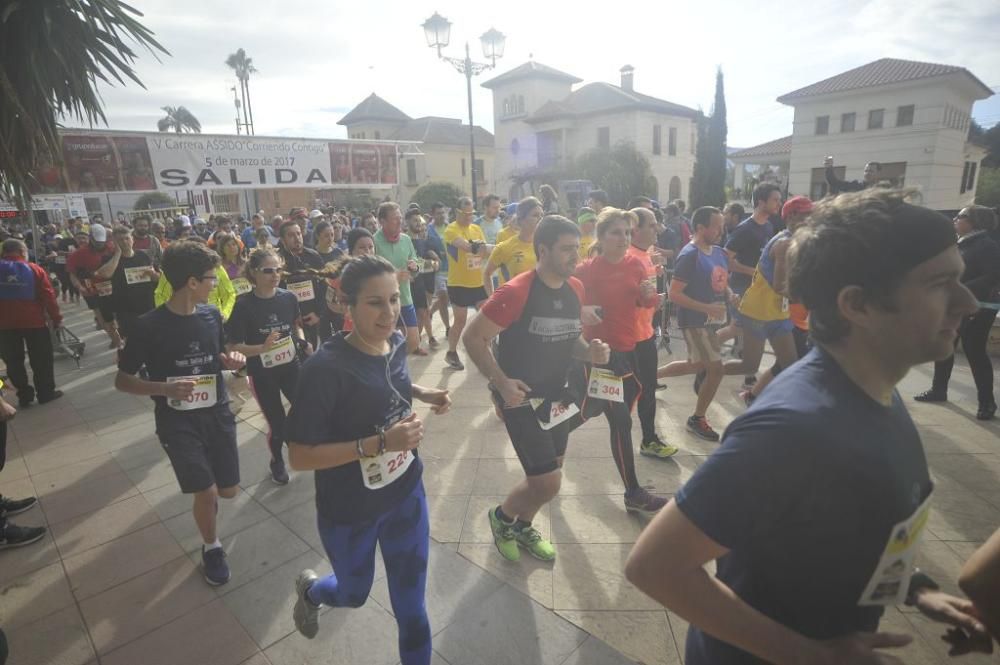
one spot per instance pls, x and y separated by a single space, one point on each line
114 161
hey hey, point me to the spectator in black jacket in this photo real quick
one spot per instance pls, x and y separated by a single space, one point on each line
981 254
872 172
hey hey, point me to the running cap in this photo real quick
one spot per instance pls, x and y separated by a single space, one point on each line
198 221
314 214
585 215
184 220
796 206
98 233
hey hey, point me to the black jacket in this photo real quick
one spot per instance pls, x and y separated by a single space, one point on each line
837 185
982 265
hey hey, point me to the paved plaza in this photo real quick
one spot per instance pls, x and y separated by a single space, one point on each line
117 582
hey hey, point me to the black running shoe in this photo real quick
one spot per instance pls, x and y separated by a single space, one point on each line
15 506
56 394
931 396
12 535
214 566
278 472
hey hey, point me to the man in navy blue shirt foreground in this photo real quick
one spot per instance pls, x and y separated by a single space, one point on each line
814 504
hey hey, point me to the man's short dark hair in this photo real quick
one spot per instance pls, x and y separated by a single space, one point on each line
639 202
285 225
550 229
183 260
762 192
598 195
703 216
489 199
671 211
411 213
736 209
870 239
437 206
465 201
385 208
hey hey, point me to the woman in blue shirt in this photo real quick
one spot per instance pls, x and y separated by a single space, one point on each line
352 423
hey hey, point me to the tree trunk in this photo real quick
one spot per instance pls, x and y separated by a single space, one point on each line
243 94
249 108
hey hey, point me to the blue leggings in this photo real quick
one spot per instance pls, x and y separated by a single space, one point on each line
403 534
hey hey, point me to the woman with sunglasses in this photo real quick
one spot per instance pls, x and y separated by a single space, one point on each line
266 327
368 476
982 276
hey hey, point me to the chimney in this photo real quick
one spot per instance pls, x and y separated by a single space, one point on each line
627 75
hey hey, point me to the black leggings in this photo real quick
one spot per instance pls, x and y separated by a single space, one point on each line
645 369
268 386
974 332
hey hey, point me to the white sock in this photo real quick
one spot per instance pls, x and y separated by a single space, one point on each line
212 546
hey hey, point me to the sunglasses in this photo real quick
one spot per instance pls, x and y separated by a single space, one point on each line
269 271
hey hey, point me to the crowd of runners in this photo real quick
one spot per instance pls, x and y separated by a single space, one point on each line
812 507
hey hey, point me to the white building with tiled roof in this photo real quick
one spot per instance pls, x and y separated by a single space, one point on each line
442 154
912 117
540 122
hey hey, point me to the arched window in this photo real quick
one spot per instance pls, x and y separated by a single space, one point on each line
675 188
520 103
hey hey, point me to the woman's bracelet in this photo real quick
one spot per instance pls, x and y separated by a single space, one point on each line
361 448
381 441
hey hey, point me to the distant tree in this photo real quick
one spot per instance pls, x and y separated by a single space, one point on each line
243 67
622 171
990 139
152 200
988 187
437 192
178 119
710 161
54 54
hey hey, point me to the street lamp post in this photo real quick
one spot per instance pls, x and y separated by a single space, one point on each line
437 30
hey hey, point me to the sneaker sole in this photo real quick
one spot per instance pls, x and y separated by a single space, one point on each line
30 541
704 437
278 482
633 510
657 456
528 550
22 510
212 582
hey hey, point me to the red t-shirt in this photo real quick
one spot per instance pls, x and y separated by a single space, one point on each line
644 315
615 287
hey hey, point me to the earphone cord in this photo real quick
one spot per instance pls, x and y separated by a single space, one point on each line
388 378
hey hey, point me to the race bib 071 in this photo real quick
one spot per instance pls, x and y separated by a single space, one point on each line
282 353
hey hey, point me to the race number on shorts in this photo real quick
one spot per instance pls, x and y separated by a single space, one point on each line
558 412
282 353
302 290
241 285
137 275
203 396
385 469
605 384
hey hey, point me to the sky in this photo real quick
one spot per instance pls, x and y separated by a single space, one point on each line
317 60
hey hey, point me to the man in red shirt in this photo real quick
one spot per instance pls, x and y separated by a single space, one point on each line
93 252
26 297
644 249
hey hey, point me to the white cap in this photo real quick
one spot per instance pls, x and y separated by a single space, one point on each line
314 214
185 222
98 233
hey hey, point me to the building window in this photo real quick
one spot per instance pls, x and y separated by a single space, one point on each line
904 116
378 135
817 182
411 171
892 174
847 122
968 178
520 103
875 117
822 125
672 141
604 137
657 140
478 167
463 167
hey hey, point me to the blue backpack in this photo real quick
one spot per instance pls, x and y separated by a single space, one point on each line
17 281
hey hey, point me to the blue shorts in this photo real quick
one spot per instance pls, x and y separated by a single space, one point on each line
766 329
408 315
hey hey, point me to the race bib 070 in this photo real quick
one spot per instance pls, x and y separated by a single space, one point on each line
203 396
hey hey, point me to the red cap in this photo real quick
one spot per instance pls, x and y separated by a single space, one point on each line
796 205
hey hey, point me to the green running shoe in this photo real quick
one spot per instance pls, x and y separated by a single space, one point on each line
655 447
504 537
538 547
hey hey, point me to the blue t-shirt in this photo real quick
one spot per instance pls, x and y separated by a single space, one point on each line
342 396
436 242
747 241
172 345
705 276
804 492
490 229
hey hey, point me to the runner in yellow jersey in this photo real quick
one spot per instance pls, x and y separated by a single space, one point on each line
466 246
515 255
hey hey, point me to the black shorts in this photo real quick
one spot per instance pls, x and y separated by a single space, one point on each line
537 448
419 294
201 445
463 296
92 302
106 306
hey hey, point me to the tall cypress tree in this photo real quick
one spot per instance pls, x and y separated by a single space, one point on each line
710 165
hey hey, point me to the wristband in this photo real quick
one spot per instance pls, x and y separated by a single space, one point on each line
381 441
361 448
919 581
